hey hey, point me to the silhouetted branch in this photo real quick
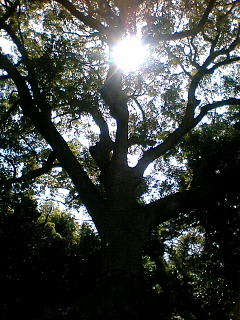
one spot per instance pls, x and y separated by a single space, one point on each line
87 20
115 98
174 137
101 150
9 12
87 190
216 104
191 32
33 174
187 201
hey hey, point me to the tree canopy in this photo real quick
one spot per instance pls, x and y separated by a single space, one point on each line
125 145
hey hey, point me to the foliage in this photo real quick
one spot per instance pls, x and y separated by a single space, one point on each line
157 146
44 260
192 261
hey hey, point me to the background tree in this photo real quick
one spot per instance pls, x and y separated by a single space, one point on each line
192 259
58 81
48 262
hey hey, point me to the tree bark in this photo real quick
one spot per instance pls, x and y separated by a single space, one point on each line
120 285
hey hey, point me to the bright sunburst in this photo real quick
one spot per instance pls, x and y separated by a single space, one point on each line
129 54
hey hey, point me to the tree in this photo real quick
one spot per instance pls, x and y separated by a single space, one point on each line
58 80
220 219
48 262
192 259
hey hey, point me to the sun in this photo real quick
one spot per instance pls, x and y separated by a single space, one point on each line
129 54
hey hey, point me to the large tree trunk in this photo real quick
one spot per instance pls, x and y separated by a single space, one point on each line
120 285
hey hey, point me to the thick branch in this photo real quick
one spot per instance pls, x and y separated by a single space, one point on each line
139 107
187 124
31 75
203 70
221 52
87 20
88 192
101 151
8 13
189 121
100 122
191 32
192 102
188 200
154 153
214 105
171 206
223 63
116 99
16 40
119 157
33 174
174 137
